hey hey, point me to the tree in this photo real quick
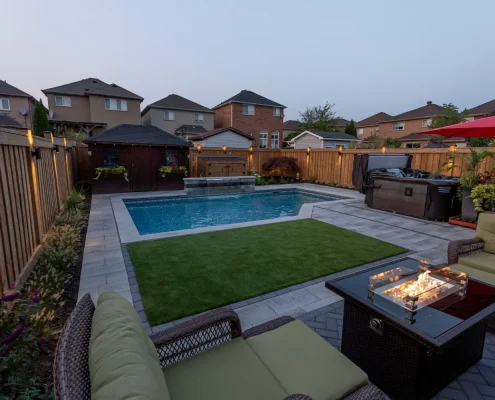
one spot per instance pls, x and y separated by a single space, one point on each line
392 143
350 128
450 116
40 120
482 142
319 118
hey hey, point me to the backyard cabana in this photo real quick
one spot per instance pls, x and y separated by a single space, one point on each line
137 158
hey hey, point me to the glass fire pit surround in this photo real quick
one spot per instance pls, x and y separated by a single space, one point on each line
414 289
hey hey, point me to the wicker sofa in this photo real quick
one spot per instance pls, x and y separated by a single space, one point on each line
476 256
208 357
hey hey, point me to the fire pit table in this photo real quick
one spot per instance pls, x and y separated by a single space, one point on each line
412 327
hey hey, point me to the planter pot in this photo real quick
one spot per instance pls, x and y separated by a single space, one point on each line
468 211
110 184
172 181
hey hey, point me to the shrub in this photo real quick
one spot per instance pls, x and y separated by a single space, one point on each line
76 200
115 170
271 181
281 166
312 178
73 218
483 197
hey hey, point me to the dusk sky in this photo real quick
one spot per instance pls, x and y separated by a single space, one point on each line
364 56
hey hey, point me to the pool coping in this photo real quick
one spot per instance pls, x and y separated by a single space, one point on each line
129 234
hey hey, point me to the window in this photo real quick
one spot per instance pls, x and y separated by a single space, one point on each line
263 139
360 131
199 117
276 111
274 138
412 146
115 105
398 126
169 115
172 158
110 157
4 104
425 123
248 109
62 101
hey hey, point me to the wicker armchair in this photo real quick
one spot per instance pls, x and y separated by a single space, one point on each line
462 248
71 369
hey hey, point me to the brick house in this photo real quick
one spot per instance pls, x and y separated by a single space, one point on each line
16 107
482 110
371 126
254 114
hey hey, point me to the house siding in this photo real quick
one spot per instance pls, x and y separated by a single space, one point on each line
262 119
332 144
78 111
154 116
228 138
367 131
308 140
113 118
16 104
412 126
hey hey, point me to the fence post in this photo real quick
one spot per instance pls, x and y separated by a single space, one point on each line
35 196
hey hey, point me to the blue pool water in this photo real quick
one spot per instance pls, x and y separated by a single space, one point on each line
176 213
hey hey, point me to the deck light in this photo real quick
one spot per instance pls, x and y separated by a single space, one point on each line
56 148
224 148
384 149
251 149
453 148
340 149
36 152
198 147
308 151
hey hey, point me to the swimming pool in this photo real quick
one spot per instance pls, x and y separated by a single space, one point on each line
166 214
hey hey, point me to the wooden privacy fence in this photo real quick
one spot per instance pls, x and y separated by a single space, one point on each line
332 165
36 176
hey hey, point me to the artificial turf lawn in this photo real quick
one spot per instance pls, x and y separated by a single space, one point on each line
189 274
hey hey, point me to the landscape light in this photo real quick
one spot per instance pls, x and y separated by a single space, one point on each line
224 148
198 147
384 149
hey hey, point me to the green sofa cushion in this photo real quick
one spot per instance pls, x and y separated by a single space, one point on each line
303 362
486 231
481 260
122 361
477 274
228 371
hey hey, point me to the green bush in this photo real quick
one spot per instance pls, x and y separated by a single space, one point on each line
312 178
76 200
483 197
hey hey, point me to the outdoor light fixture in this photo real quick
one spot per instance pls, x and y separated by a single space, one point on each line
251 149
384 149
36 152
308 150
340 149
224 148
56 148
453 148
67 149
198 147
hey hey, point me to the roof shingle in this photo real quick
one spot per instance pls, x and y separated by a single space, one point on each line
373 120
176 102
6 121
292 125
10 90
138 134
220 130
430 110
248 97
333 135
485 108
191 129
93 86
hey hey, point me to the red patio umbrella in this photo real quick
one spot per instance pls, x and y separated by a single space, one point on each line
484 127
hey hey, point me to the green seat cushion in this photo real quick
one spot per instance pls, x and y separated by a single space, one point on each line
486 231
123 362
303 362
478 274
228 371
481 260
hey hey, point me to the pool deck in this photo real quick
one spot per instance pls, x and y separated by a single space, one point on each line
107 266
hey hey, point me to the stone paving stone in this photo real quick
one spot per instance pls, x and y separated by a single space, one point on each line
256 313
319 290
289 301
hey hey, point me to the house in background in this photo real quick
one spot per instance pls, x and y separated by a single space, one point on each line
256 115
412 121
16 107
371 126
322 140
230 137
482 110
91 106
291 126
341 123
418 140
178 115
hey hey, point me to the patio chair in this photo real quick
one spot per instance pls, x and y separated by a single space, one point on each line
104 353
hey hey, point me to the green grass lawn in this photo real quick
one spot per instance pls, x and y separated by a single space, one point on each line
186 275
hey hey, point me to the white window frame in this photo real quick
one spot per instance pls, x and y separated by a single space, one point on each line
250 109
277 139
425 123
276 111
115 104
66 102
1 104
398 126
199 117
360 131
169 115
263 139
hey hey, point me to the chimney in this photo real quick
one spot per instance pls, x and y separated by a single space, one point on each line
429 103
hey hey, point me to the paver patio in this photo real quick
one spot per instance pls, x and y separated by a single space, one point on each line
107 266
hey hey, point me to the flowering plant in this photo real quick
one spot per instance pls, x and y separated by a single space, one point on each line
166 169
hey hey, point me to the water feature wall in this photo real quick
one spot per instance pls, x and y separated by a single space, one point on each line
227 184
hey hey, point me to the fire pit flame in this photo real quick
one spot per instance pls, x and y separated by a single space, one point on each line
422 285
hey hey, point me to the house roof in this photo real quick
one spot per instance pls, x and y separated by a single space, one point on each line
220 130
484 108
421 137
248 97
373 120
176 102
92 86
329 135
191 129
7 121
342 122
9 90
138 134
430 110
292 125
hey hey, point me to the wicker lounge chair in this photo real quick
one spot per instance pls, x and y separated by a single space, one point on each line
175 346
